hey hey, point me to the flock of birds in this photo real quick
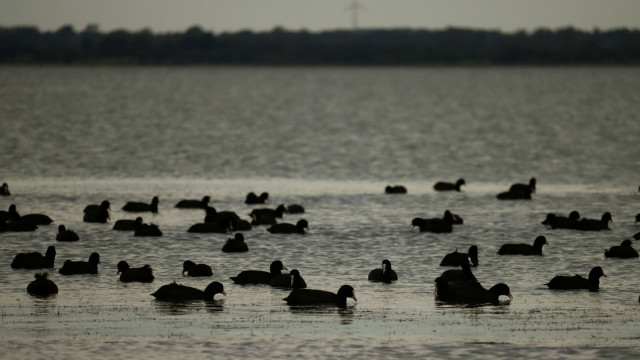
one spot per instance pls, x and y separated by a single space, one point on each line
454 285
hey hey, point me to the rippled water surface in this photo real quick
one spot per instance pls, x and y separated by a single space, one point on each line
330 139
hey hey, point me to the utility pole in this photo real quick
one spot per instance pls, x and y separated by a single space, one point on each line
355 7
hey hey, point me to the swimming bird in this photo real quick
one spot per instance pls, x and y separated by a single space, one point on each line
469 293
34 260
126 224
435 225
458 258
81 267
594 225
577 281
4 190
252 198
193 269
32 219
524 249
514 195
561 222
446 186
636 236
95 213
42 286
194 204
463 274
221 227
66 235
142 207
128 274
637 219
292 280
140 229
396 189
236 244
321 297
179 292
530 187
259 277
286 228
384 274
294 209
455 218
16 226
624 251
266 216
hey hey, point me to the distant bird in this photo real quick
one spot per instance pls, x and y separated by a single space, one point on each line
514 195
294 209
66 235
469 293
81 267
252 198
140 229
577 281
34 260
221 227
193 269
194 204
142 207
293 280
624 251
29 219
383 274
236 244
178 292
561 222
42 286
396 189
259 277
321 297
126 224
94 213
128 274
286 228
16 226
224 219
4 190
463 274
266 216
455 218
637 219
524 249
458 258
530 187
435 225
446 186
594 225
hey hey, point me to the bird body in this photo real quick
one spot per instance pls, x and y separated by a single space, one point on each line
446 186
524 249
126 224
321 297
593 224
457 258
66 235
259 277
578 282
142 207
384 273
81 267
291 280
128 274
34 260
236 244
193 269
530 187
179 292
194 204
42 286
286 228
396 189
469 293
624 251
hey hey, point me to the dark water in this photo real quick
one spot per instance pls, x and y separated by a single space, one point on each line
330 139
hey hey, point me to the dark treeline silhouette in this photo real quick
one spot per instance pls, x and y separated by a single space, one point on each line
28 45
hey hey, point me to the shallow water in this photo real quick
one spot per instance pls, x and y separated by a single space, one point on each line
330 139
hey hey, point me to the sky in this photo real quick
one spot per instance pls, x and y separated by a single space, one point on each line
317 15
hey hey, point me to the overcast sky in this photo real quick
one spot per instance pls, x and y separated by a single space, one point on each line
315 15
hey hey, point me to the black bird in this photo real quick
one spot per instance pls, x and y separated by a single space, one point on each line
140 229
435 225
321 297
396 189
192 269
577 281
294 209
384 274
236 244
561 222
292 280
4 190
624 251
469 293
128 274
446 186
514 195
66 235
286 228
42 286
252 198
458 258
126 224
266 216
259 277
81 267
463 274
455 218
219 227
524 249
97 213
194 204
636 236
16 226
221 218
637 219
34 260
31 219
142 207
530 187
595 225
178 292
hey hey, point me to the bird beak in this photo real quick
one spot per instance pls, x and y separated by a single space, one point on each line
183 271
384 268
284 268
603 274
510 296
224 293
292 277
353 295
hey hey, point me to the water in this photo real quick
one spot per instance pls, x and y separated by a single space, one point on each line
330 139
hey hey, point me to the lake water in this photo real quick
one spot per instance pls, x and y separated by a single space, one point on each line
330 139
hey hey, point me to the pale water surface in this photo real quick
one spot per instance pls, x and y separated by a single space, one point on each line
330 139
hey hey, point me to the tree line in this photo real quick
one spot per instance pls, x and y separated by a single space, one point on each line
450 46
